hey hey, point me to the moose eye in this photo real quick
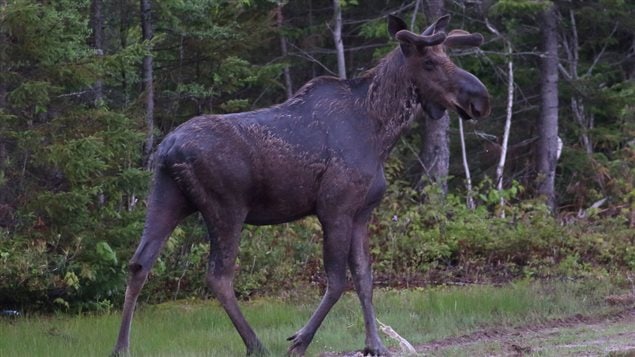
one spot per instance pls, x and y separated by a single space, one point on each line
428 65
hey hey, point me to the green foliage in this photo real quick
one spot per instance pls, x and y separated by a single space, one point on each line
411 243
519 8
73 182
374 29
349 3
66 243
33 95
74 179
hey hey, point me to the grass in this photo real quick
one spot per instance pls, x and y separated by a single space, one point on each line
201 328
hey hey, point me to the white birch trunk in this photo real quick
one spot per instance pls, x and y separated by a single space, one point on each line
337 38
500 168
466 167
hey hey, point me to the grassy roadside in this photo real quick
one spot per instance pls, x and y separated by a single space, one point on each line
200 328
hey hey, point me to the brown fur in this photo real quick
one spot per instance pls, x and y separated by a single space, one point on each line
319 153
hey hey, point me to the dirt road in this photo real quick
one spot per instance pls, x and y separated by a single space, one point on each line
608 335
579 335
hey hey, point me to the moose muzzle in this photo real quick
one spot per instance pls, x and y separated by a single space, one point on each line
472 99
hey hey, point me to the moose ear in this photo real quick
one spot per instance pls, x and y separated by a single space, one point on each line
395 25
438 26
460 38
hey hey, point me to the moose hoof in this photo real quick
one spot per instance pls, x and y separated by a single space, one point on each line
299 344
376 351
120 353
258 351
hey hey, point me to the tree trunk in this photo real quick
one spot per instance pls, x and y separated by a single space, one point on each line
500 168
435 149
547 144
571 48
124 25
148 88
432 10
3 55
630 62
466 167
585 121
3 94
435 152
283 48
414 14
337 38
97 43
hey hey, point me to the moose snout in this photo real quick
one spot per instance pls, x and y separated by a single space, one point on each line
480 106
473 98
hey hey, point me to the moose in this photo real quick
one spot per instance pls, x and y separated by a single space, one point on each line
321 153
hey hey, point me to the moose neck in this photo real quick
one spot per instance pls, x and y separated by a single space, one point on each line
391 100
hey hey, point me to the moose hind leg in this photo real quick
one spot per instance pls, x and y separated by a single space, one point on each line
335 250
167 207
224 243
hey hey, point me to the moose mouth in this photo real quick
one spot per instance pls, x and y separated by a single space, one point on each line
462 113
436 111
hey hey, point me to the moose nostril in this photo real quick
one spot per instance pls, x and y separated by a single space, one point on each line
475 112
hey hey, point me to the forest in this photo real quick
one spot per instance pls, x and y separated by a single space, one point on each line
544 188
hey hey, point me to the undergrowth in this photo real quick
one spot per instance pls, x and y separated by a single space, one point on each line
413 243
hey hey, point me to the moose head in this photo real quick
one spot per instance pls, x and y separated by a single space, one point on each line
441 83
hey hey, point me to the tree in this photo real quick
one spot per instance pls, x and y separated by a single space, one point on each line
72 164
547 144
337 38
500 168
283 49
71 171
3 54
148 86
434 154
97 42
466 166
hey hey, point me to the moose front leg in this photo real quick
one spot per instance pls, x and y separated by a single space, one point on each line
135 283
359 262
224 242
337 237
